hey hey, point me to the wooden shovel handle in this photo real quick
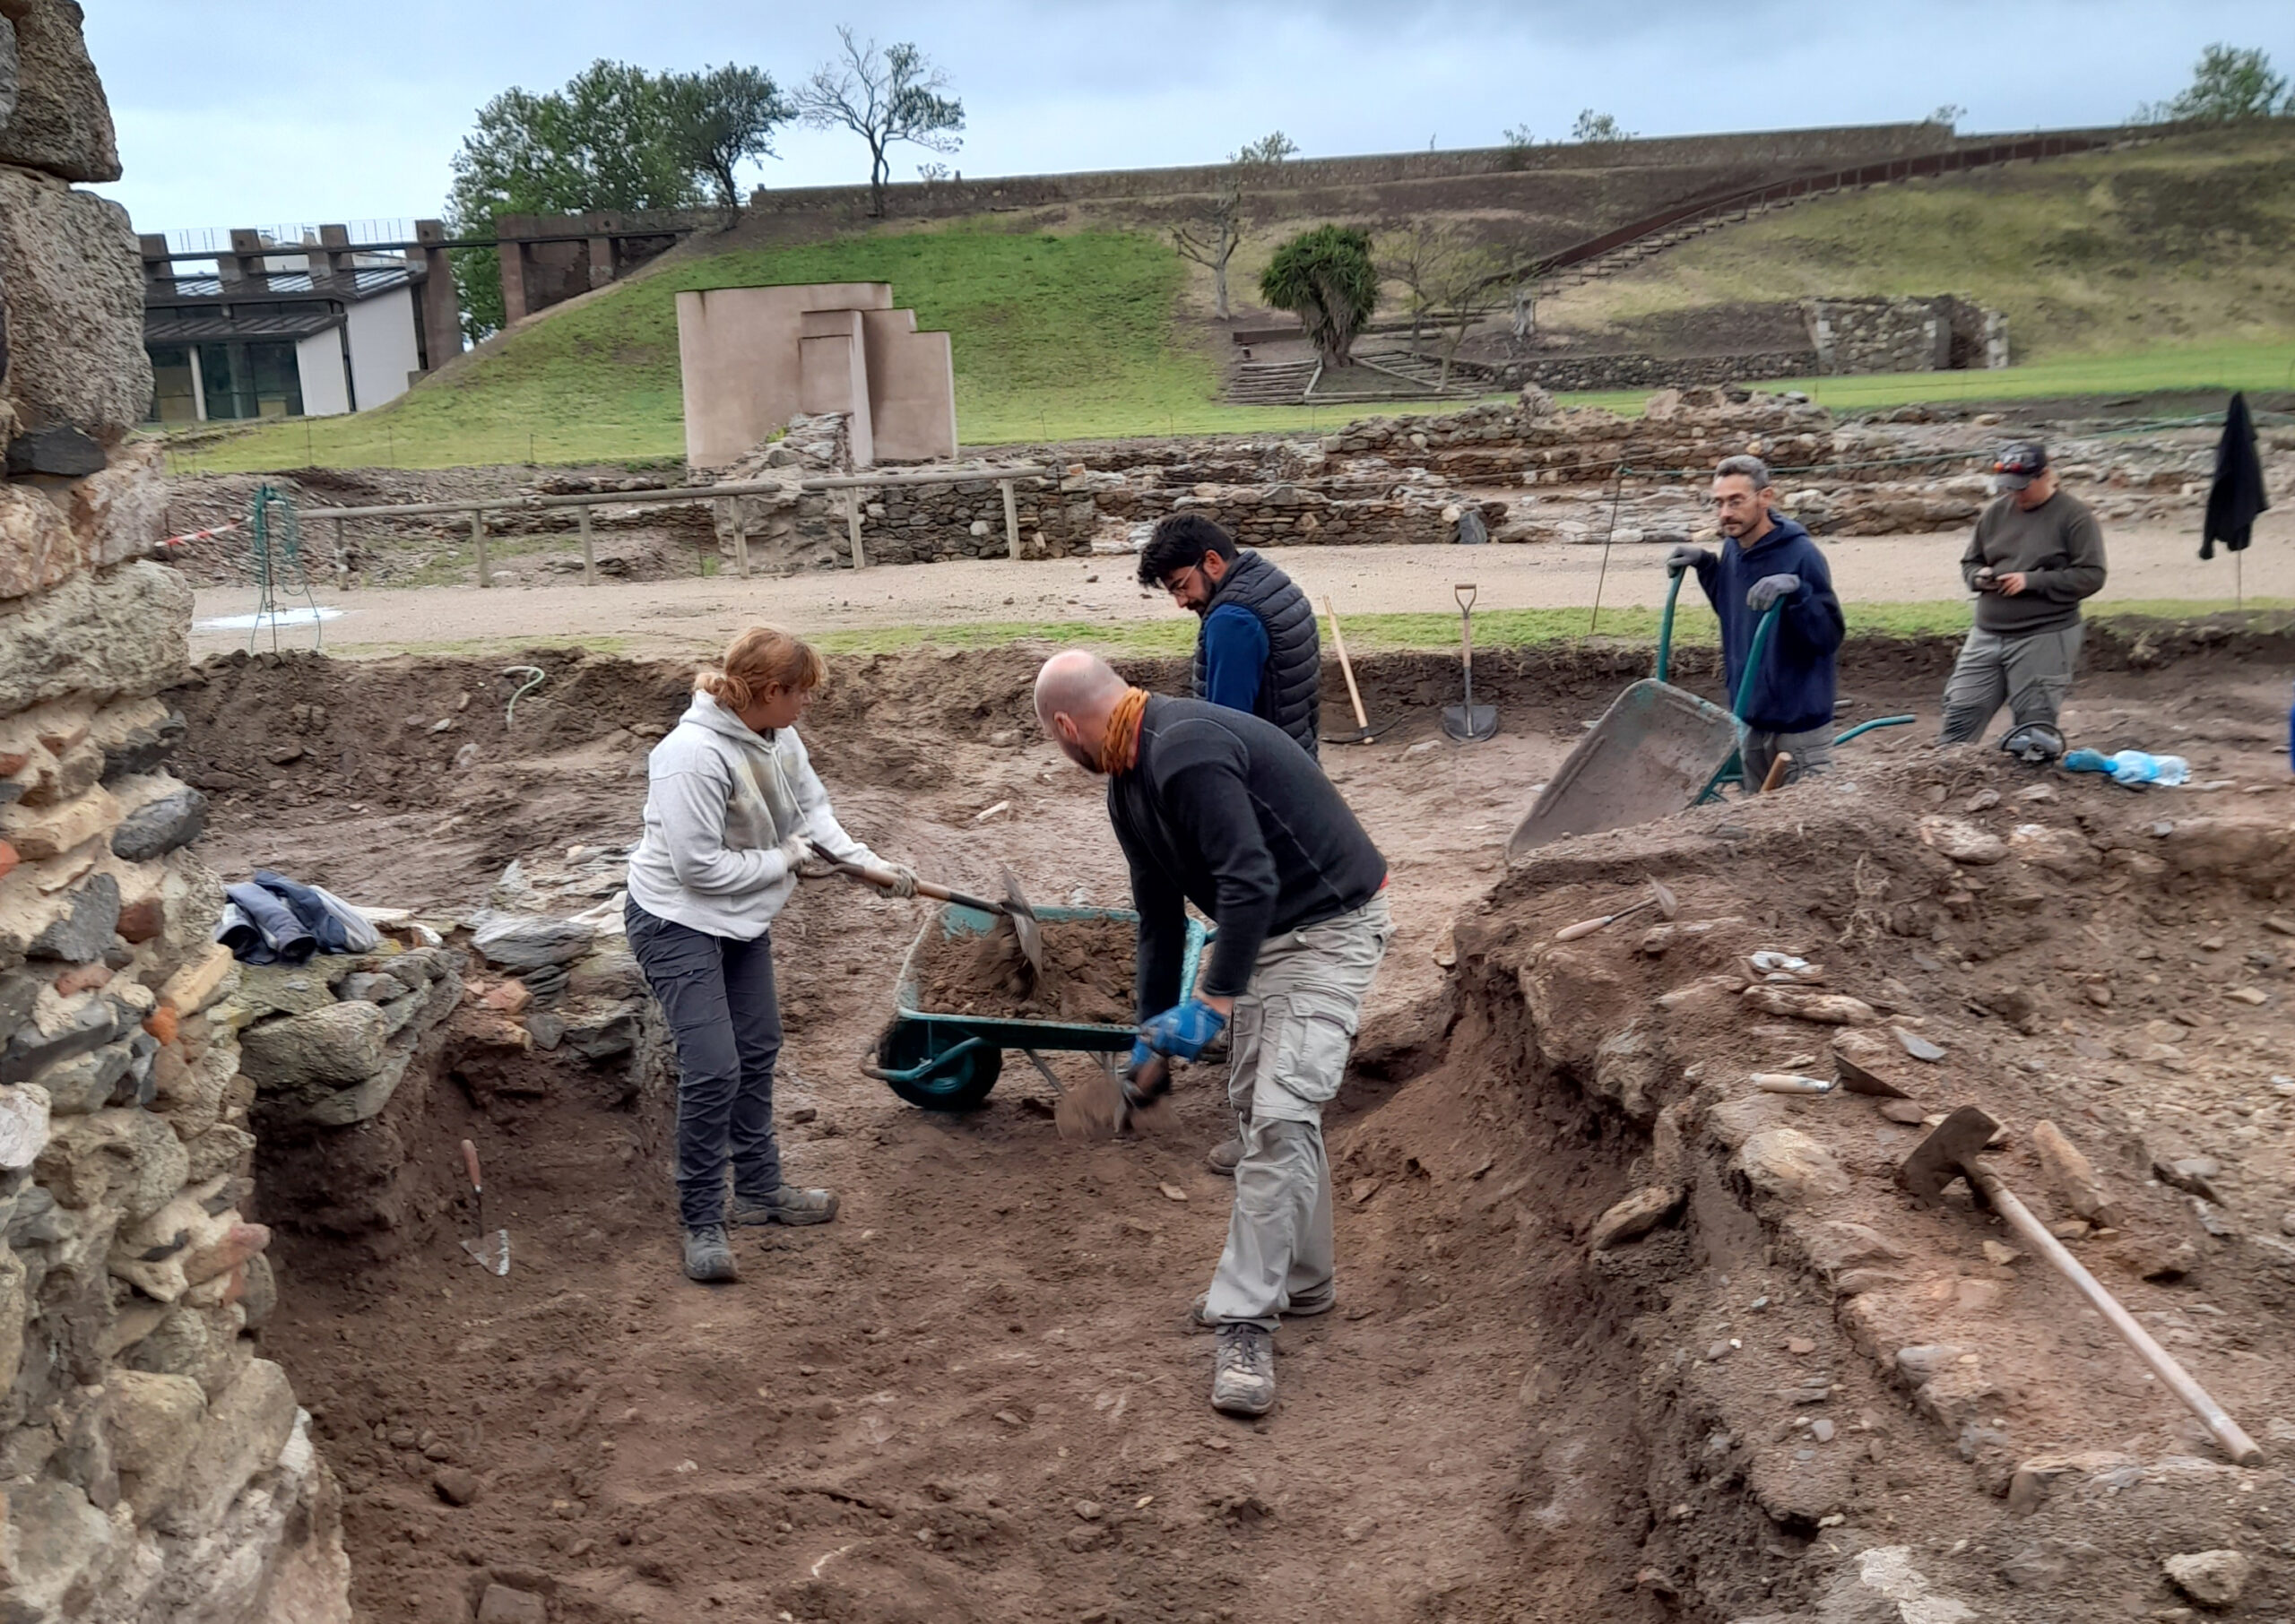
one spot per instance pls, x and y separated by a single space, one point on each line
886 882
470 1165
1346 667
1777 768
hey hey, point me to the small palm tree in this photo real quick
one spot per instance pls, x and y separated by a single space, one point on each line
1325 276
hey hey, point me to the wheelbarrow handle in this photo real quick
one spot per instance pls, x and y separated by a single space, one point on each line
1866 726
886 882
1761 634
1666 624
918 1073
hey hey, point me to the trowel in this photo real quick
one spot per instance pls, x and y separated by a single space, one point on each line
490 1250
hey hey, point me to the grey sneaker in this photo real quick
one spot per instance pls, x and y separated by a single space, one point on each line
1242 1372
1199 1314
1222 1157
787 1204
709 1255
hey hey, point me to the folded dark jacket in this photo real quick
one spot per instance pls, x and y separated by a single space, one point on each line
267 932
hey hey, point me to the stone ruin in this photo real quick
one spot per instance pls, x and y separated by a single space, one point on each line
155 1468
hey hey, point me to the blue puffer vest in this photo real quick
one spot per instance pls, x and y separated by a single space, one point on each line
1290 691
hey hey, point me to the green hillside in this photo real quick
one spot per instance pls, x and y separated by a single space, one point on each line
1059 336
2187 241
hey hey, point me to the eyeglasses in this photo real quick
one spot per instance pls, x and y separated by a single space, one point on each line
1174 584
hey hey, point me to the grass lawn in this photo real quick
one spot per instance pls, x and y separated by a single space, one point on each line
1056 337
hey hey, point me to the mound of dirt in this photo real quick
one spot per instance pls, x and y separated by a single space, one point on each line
1087 976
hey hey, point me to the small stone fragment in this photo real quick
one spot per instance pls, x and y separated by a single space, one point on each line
1910 1112
2213 1578
1822 1430
2000 1256
1799 1345
1172 1192
1634 1217
456 1485
1917 1046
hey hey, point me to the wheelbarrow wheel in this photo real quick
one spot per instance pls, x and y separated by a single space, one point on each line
962 1084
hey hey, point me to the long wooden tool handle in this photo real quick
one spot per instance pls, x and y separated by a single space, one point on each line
925 888
470 1165
1779 766
2237 1444
1570 933
1346 670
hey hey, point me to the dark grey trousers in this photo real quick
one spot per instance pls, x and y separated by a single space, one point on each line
717 995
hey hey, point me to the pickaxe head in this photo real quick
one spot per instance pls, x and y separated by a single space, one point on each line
1947 1152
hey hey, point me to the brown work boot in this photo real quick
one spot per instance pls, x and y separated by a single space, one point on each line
788 1204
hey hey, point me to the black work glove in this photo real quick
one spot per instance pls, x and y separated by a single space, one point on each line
1769 589
1685 558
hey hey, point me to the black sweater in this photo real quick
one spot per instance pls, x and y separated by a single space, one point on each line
1223 810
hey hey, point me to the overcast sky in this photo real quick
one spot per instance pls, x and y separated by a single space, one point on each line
263 112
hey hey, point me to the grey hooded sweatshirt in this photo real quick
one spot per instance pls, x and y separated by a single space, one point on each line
720 797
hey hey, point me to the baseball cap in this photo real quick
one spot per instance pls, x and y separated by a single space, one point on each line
2017 463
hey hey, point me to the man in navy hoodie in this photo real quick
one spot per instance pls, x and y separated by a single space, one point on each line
1766 559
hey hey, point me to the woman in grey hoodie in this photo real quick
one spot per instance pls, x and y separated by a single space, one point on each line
732 808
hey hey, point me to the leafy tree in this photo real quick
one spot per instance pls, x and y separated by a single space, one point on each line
1949 114
1326 277
1211 235
607 140
721 118
886 98
1450 279
2226 83
1592 127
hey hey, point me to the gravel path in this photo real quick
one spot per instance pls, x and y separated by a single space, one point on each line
672 617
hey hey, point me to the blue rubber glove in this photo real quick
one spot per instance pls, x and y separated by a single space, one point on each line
1769 589
1140 1055
1183 1032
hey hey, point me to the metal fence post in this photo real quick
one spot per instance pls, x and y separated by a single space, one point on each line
342 570
1011 519
853 524
589 552
478 540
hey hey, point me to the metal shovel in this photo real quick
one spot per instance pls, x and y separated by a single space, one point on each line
1468 723
490 1250
1014 907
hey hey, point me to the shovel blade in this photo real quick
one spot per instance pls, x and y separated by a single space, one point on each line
1470 723
1024 921
490 1253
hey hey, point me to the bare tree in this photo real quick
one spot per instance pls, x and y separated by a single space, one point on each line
1449 279
1212 234
886 98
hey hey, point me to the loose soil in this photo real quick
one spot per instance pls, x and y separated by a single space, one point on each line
975 1396
1086 975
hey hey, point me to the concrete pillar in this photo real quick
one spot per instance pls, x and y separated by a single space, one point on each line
159 270
514 255
334 266
440 306
243 265
601 261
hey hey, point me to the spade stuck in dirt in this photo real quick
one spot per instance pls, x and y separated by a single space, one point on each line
489 1248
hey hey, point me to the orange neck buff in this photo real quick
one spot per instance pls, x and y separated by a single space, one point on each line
1120 748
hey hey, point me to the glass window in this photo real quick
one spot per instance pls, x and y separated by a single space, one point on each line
277 380
253 380
173 400
222 368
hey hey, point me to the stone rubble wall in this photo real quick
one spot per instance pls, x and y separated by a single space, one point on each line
1888 335
155 1468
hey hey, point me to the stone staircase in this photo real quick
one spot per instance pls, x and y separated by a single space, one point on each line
1380 374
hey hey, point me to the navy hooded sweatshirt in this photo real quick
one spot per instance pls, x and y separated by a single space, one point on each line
1793 693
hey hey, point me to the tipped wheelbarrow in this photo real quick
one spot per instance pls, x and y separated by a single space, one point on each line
951 1062
1657 750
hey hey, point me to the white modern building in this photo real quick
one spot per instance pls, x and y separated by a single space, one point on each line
308 328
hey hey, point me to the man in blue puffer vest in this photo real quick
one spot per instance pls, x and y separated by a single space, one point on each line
1766 559
1257 650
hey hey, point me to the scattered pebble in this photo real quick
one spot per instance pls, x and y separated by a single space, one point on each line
1799 1345
1172 1192
1822 1431
803 1114
458 1486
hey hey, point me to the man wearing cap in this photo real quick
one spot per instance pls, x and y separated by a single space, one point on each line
2035 554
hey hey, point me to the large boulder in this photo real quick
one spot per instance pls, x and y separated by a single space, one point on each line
530 941
328 1049
155 1423
72 281
37 547
125 1158
61 122
247 1425
124 632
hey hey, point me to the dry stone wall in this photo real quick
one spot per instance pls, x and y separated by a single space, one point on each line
155 1468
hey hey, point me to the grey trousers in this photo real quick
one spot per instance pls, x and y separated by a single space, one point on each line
1287 1051
1812 754
717 995
2030 675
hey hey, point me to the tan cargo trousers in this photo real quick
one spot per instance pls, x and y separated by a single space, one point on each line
1288 1044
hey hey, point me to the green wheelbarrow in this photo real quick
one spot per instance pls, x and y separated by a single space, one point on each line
1657 750
951 1062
